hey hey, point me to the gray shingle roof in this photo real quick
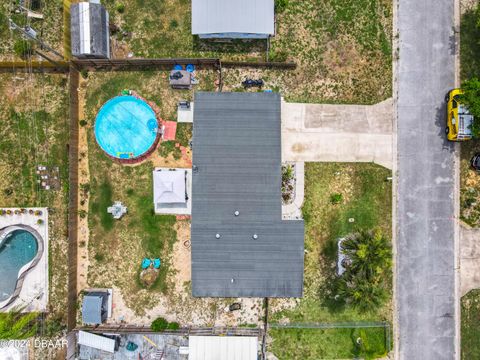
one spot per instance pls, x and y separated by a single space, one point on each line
237 154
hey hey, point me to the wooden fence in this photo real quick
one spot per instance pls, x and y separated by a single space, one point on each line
134 65
141 64
73 202
34 66
201 331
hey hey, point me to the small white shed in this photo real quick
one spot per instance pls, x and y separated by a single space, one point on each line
233 19
171 191
96 341
222 348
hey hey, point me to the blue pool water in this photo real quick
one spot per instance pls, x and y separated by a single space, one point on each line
125 127
18 249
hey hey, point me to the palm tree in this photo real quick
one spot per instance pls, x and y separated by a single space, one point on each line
370 254
364 282
363 295
17 325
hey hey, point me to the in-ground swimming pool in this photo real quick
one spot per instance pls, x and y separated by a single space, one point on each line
126 128
17 249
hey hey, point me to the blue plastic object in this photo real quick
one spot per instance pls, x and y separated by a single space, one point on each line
156 263
146 263
178 67
190 68
268 90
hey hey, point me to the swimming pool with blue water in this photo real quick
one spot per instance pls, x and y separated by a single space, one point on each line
126 127
16 250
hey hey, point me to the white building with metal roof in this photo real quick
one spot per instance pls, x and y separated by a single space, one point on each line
222 348
247 19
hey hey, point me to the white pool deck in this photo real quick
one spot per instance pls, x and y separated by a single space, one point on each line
34 293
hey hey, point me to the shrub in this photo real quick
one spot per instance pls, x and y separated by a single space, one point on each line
280 5
84 73
120 8
99 257
159 324
173 326
336 198
173 24
83 122
471 98
278 56
23 48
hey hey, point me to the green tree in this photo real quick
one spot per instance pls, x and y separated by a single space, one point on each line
17 325
364 284
159 324
370 254
471 98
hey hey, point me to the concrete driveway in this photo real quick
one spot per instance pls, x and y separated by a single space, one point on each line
345 133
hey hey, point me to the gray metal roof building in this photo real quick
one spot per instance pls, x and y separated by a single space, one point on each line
237 168
233 18
90 35
94 308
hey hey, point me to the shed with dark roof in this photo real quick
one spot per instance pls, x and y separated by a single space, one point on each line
89 29
241 247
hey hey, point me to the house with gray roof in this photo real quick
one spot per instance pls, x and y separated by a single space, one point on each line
233 19
241 247
89 28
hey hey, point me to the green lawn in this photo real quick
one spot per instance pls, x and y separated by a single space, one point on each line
367 199
34 131
291 344
470 326
343 49
469 45
50 28
470 185
470 67
116 248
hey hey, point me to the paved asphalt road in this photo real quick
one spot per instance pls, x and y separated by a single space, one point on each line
425 206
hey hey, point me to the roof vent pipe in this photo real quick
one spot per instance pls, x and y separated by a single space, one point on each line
217 236
255 236
237 213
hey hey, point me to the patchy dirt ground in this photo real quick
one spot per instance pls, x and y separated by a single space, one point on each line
34 131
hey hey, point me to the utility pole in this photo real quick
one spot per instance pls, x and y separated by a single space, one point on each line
29 35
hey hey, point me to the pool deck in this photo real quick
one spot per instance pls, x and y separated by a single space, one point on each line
34 292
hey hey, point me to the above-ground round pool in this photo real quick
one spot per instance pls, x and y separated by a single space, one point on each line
126 128
17 248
